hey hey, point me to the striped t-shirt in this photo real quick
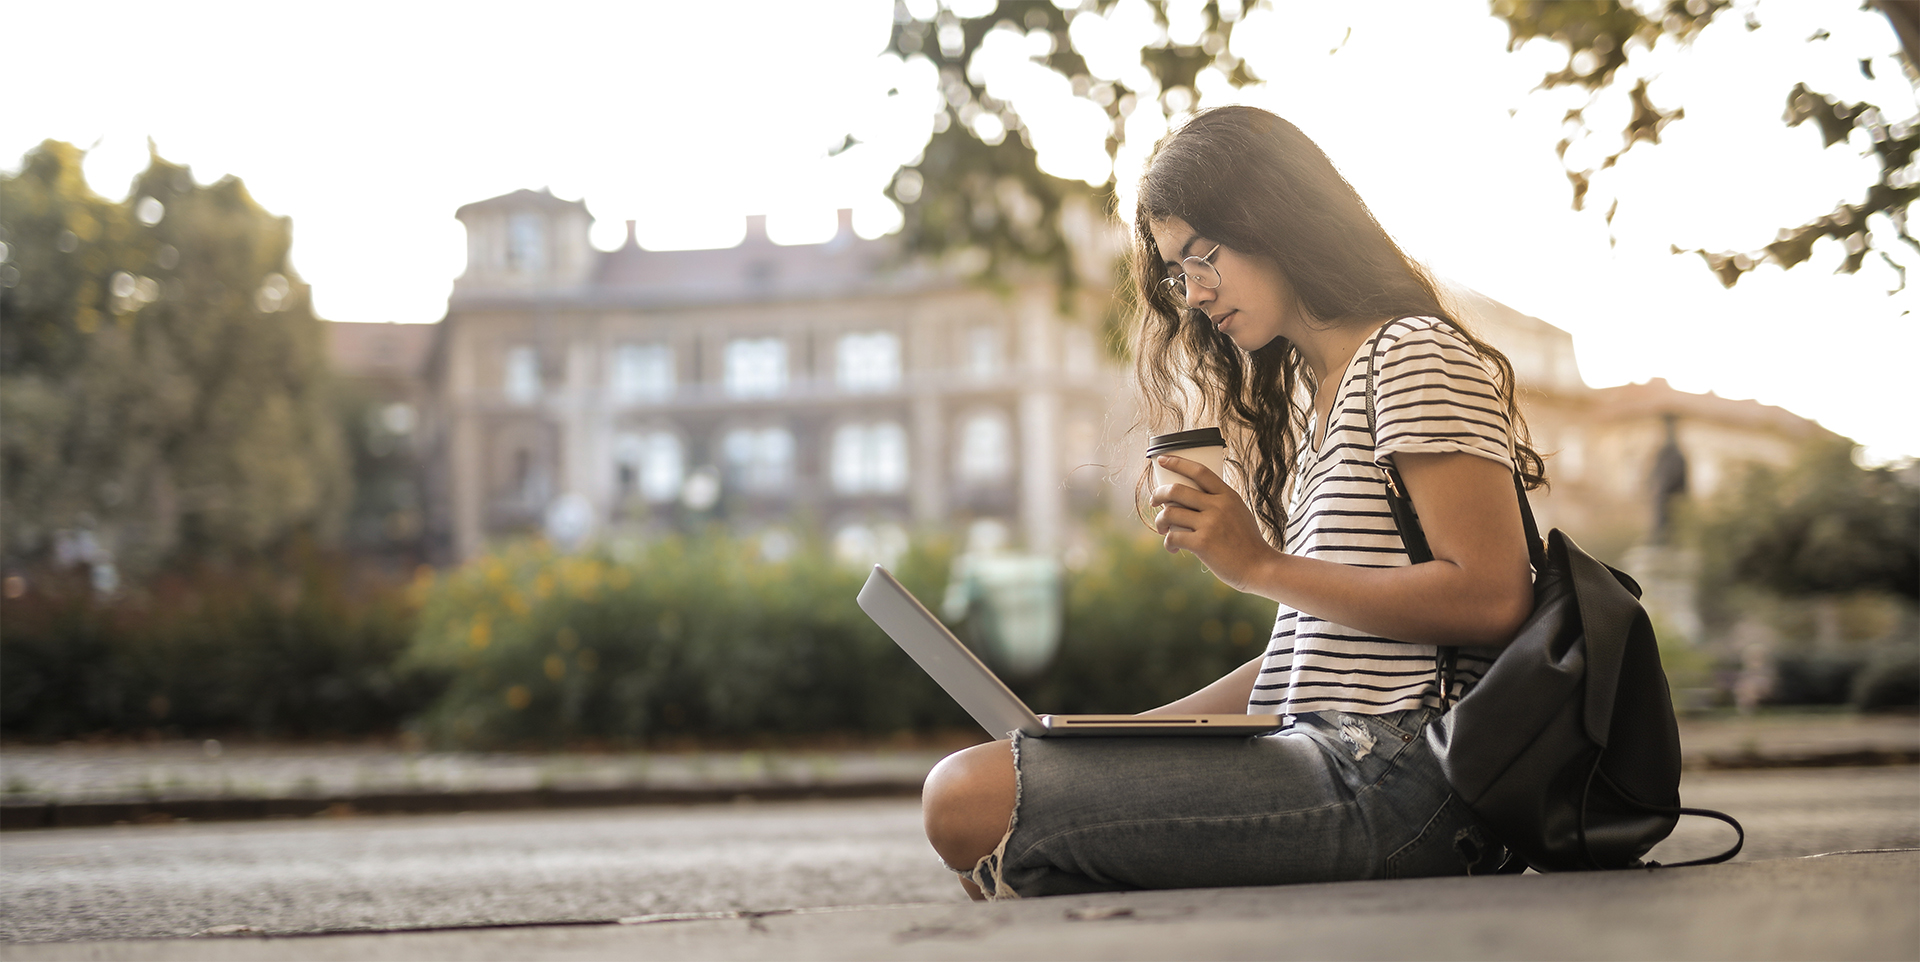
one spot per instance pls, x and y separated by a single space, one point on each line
1433 394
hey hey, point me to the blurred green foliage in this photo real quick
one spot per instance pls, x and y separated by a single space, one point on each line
1823 556
303 648
677 637
162 373
387 518
703 637
1822 525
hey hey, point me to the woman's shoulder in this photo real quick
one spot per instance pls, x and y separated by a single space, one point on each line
1424 342
1414 330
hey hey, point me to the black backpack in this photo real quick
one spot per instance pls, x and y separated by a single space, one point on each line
1567 747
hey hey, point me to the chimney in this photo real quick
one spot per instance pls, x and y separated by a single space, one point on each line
846 223
633 239
756 230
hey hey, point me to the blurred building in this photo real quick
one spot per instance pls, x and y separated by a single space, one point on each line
827 388
1605 445
387 399
840 390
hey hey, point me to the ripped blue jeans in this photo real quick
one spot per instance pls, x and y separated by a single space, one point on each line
1335 797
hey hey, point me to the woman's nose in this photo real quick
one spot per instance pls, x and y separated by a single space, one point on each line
1197 294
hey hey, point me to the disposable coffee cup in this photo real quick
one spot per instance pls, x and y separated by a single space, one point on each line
1204 445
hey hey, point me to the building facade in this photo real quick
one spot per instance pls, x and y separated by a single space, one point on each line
829 387
843 391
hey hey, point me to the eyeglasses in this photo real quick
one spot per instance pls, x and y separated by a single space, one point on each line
1200 269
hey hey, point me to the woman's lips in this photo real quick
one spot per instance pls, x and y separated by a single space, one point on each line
1220 323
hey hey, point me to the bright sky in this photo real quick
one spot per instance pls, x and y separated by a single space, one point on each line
370 123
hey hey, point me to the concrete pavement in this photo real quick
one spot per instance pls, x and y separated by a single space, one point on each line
1857 906
313 875
302 876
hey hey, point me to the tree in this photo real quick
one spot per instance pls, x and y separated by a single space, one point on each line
162 374
977 185
1821 526
1599 36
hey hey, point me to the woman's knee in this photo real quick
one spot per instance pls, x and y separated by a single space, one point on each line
968 802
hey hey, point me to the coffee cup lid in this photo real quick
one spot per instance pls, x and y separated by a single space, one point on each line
1196 438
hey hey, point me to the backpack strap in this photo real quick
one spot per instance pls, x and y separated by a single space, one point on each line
1739 841
1407 521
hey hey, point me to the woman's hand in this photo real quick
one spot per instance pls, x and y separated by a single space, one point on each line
1211 520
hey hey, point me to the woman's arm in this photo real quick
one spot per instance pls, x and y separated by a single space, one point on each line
1476 591
1227 696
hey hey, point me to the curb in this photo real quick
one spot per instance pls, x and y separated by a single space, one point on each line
1859 758
41 815
45 815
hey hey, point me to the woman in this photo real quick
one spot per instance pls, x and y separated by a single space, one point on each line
1267 290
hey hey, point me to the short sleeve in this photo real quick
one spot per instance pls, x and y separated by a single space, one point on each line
1435 395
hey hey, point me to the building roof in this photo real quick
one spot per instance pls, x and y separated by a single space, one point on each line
757 269
1541 354
1656 397
521 200
359 349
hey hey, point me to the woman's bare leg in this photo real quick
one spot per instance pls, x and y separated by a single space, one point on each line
967 803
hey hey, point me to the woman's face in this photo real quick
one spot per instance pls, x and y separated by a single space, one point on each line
1253 304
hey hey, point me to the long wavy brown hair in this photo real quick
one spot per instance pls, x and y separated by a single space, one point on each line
1242 177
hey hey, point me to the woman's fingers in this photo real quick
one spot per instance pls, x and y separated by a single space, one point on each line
1171 494
1177 539
1201 475
1174 516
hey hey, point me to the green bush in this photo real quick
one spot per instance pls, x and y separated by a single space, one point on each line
702 637
683 637
306 648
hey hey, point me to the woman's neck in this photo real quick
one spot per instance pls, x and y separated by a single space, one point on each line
1327 350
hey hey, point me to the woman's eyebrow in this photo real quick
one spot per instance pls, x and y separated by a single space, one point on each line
1173 263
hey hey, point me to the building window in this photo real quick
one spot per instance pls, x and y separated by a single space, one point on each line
868 362
986 448
526 243
861 545
522 382
642 372
649 465
761 458
756 367
869 458
986 353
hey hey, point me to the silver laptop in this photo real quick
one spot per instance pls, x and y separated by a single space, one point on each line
987 698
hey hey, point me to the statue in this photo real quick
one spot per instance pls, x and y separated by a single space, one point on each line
1669 482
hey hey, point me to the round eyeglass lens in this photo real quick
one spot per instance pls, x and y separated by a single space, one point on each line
1201 273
